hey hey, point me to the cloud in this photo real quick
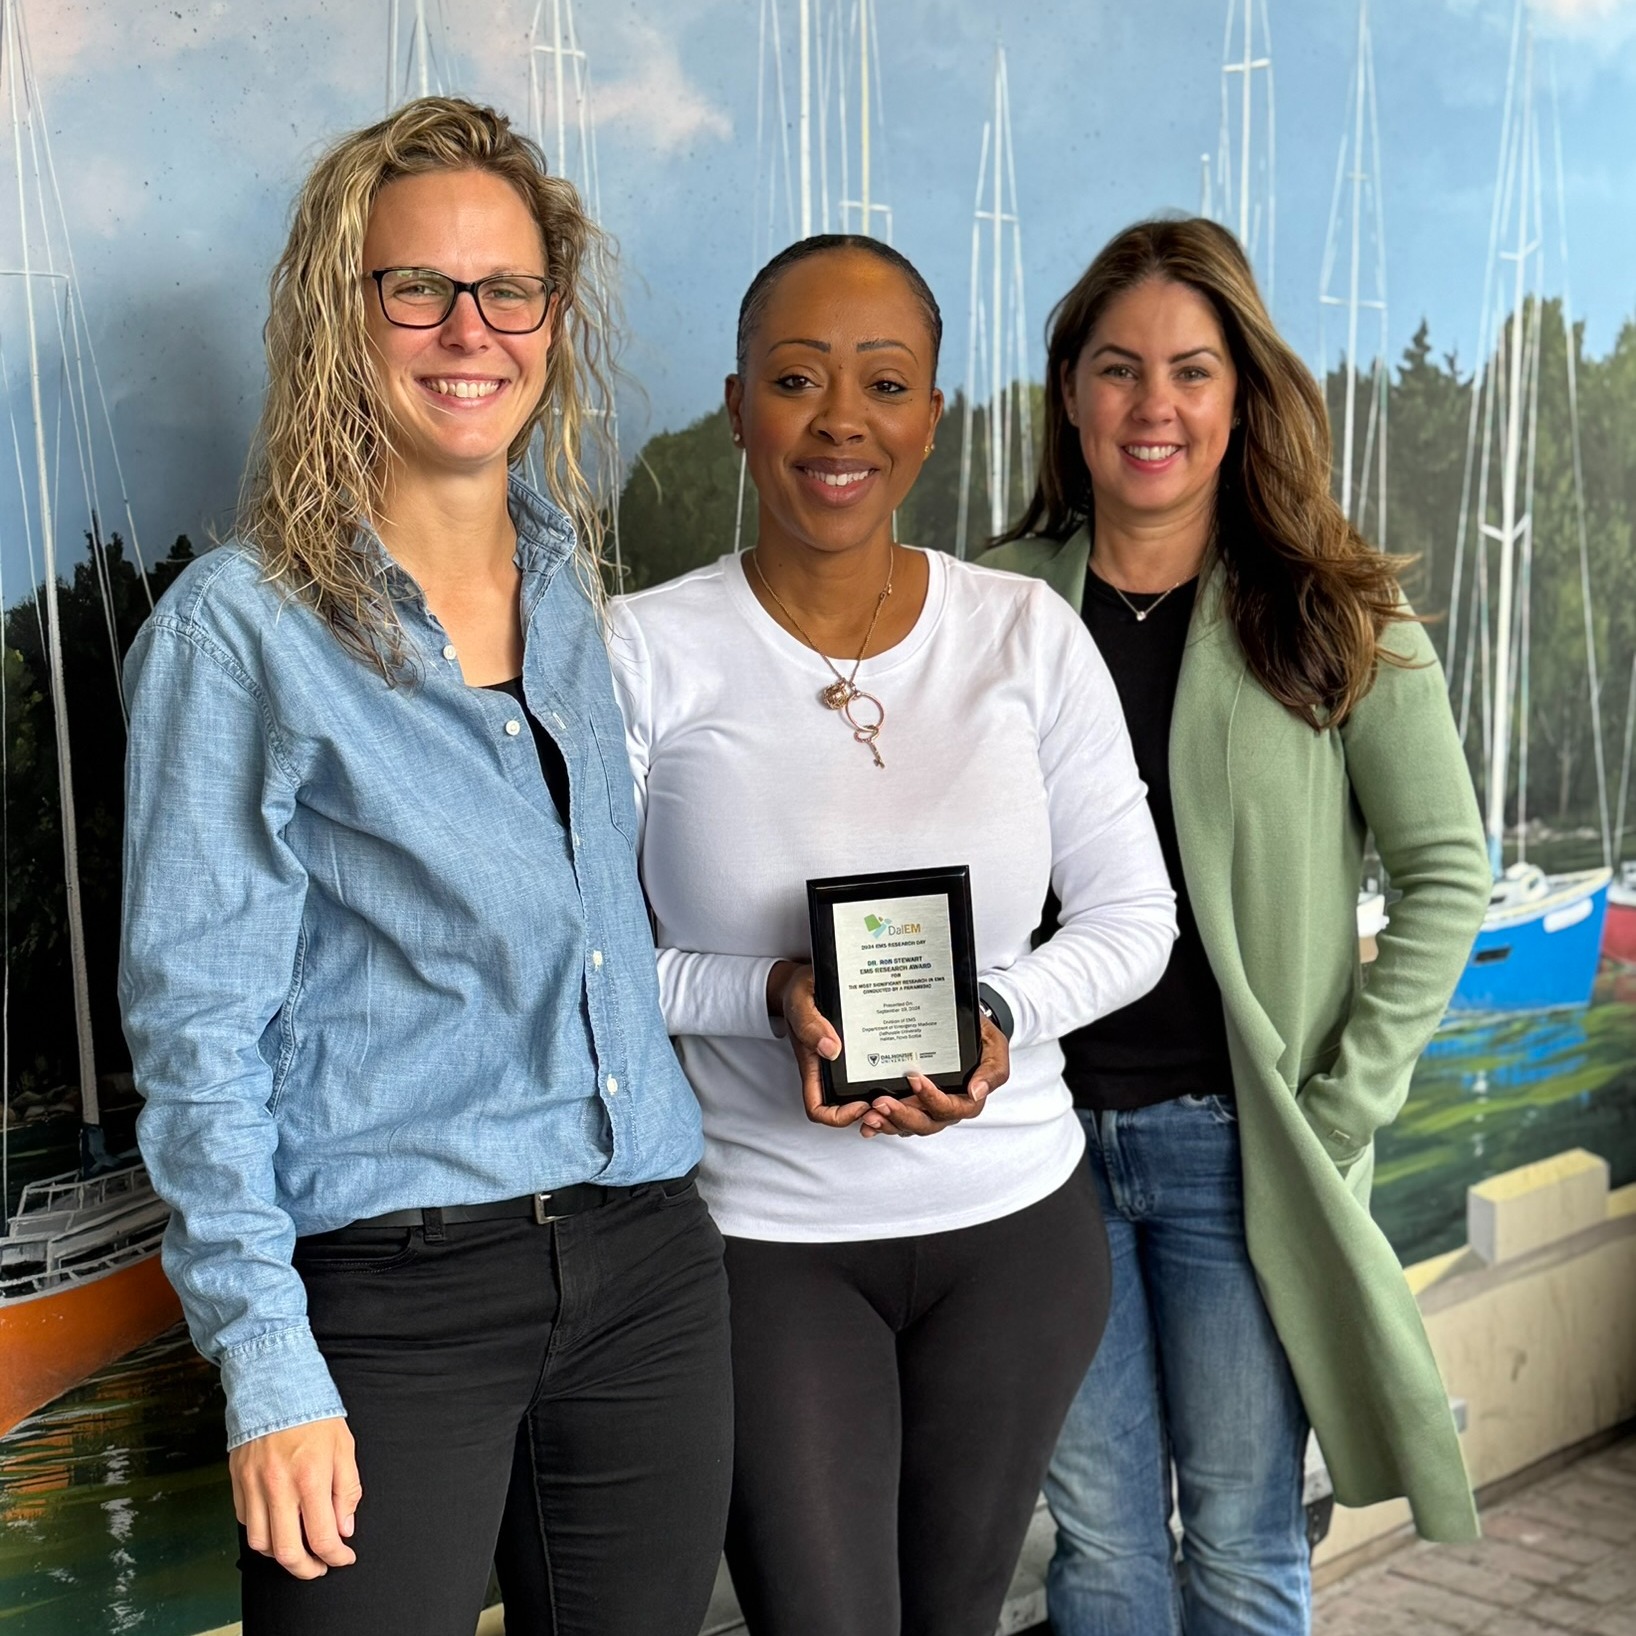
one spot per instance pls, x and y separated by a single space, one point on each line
77 36
1607 22
109 195
655 101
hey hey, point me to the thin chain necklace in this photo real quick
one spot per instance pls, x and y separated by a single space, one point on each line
843 693
1142 613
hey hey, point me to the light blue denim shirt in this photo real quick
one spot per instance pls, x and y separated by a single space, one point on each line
366 965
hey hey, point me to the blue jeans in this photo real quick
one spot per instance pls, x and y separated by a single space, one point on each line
1190 1375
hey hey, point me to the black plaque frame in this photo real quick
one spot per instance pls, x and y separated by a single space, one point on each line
841 1085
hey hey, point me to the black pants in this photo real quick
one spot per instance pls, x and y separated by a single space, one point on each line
553 1400
896 1403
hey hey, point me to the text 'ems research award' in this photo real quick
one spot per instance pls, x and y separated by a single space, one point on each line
894 969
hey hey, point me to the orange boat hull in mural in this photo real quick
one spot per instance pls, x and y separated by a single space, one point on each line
51 1342
80 1282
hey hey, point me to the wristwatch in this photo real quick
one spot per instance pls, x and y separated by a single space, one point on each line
993 1005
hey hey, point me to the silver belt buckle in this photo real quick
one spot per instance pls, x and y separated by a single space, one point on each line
542 1216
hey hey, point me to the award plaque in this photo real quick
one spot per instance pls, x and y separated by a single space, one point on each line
894 970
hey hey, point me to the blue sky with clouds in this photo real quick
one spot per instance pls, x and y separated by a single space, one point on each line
179 131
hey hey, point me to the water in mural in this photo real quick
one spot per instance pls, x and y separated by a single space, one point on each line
114 1505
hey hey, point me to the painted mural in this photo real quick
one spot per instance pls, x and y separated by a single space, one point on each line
1438 201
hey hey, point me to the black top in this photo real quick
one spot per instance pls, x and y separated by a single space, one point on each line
551 762
1173 1041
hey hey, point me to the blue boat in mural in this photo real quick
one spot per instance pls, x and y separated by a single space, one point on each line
1539 944
1541 938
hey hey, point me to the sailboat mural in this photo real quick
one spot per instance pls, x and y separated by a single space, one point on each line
997 336
80 1281
1541 938
1245 192
417 51
820 146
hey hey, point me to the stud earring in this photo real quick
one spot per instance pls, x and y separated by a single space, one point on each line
927 450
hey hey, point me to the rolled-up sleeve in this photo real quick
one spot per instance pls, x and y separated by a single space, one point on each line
210 972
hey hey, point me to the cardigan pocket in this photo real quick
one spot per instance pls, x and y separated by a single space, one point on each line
1344 1146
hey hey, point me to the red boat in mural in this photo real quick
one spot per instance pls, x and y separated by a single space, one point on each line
1619 931
80 1283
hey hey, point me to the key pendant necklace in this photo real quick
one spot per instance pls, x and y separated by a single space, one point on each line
843 694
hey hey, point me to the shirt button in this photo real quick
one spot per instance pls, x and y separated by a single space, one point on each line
596 958
513 728
613 1086
448 650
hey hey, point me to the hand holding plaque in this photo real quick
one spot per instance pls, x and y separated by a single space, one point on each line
894 969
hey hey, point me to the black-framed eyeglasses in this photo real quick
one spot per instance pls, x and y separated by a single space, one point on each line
423 298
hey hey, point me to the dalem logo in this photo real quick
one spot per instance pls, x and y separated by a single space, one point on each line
877 927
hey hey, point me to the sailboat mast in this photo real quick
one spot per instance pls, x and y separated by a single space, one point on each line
90 1112
1624 770
866 21
1244 133
997 429
1510 525
973 309
560 157
391 55
806 118
1351 415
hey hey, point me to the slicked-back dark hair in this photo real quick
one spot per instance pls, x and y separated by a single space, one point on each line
761 287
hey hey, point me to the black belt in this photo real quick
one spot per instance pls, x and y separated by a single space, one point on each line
537 1207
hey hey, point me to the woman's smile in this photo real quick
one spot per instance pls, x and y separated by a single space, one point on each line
835 482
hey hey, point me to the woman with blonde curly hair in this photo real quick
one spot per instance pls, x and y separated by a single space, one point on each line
1281 700
387 977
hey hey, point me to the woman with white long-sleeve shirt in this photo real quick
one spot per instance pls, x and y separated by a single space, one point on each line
891 1298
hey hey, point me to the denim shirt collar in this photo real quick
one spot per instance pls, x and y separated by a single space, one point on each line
545 541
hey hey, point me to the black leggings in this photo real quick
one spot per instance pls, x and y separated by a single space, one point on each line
896 1403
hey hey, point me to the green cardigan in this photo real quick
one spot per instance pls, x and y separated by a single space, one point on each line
1271 819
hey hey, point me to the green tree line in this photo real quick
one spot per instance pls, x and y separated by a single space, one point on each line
683 505
98 622
679 508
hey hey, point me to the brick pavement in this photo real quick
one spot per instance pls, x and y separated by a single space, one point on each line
1558 1556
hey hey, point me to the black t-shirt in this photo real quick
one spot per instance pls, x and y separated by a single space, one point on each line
551 762
1173 1041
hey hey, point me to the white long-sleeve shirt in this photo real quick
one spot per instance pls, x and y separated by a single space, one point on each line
1005 750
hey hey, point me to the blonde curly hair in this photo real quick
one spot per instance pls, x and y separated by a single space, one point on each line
318 466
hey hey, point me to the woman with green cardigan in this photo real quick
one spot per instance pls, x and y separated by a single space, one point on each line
1283 702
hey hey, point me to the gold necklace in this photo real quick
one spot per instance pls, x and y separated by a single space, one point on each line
843 693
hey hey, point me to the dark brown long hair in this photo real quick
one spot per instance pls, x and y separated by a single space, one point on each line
1307 595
